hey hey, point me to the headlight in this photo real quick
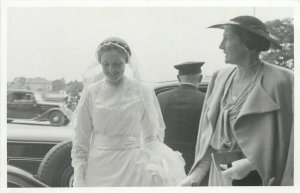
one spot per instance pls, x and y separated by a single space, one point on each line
63 106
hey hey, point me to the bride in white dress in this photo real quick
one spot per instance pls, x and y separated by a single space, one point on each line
119 130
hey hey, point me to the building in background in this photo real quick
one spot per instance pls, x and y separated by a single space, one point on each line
39 84
33 84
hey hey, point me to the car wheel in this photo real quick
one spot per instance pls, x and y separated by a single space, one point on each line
55 169
67 121
56 118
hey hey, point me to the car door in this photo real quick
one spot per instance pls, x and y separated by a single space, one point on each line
22 106
12 111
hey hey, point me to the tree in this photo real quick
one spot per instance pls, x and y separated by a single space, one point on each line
19 83
73 88
283 29
58 85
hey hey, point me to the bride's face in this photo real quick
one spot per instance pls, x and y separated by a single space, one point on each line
113 65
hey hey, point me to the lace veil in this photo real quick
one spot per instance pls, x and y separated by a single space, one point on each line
146 91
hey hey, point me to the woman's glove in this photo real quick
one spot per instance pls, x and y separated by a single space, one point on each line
239 170
188 181
196 176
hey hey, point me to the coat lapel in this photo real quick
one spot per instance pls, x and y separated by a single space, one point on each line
258 101
210 113
214 100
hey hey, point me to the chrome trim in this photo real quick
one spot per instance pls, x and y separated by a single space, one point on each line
13 171
20 119
14 183
24 159
34 142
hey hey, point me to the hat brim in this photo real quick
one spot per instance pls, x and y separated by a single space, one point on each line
189 68
273 40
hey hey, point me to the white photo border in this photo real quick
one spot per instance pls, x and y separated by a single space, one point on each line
6 4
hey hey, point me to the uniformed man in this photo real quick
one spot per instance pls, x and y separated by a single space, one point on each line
181 108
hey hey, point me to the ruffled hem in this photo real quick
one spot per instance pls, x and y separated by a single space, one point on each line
160 165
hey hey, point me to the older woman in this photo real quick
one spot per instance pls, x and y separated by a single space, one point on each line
248 114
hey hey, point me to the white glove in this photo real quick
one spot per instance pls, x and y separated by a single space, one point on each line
188 181
239 170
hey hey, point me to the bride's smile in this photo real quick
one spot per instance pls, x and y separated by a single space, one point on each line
113 65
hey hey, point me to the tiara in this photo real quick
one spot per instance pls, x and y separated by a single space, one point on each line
119 45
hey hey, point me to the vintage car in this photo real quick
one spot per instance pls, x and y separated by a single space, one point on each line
26 148
24 104
49 157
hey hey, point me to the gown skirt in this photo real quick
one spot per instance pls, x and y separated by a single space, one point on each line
116 144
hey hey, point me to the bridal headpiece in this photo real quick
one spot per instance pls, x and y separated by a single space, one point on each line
116 43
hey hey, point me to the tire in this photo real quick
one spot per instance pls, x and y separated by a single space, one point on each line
56 118
55 169
67 121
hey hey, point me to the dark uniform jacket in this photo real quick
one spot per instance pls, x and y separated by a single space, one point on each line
181 109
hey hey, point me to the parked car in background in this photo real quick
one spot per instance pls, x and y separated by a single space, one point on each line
27 105
49 156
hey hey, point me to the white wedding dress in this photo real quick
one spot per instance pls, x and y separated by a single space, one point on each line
115 143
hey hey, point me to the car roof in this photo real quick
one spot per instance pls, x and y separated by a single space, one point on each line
44 133
19 90
158 85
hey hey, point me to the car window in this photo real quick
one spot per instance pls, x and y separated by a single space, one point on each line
23 97
9 97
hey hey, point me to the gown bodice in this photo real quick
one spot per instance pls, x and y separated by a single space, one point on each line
117 113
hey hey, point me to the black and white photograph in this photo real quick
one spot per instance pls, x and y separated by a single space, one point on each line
149 97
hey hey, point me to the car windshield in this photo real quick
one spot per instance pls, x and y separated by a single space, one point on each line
38 97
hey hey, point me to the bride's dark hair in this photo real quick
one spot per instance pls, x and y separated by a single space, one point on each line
114 43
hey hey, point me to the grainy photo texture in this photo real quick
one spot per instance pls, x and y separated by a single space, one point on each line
150 96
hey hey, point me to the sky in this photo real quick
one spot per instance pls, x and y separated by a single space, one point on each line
59 43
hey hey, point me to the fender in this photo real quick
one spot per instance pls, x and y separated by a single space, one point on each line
45 115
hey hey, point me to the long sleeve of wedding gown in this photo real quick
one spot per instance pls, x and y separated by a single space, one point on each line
81 140
153 126
148 132
161 160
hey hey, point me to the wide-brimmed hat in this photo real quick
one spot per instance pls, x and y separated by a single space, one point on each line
253 25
